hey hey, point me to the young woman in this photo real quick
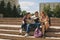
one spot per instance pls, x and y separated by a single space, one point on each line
45 21
27 22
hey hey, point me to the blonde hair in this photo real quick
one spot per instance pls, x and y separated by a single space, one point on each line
43 13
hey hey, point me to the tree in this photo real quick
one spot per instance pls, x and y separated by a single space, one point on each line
15 12
47 10
2 7
19 9
57 11
52 13
24 12
8 10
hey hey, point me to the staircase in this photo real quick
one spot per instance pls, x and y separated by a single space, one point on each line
54 30
9 30
11 21
55 21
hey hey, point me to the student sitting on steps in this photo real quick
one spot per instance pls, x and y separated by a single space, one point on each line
44 21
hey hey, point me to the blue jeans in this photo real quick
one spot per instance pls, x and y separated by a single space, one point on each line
28 28
37 25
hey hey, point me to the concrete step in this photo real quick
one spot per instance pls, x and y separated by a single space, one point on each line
5 39
23 33
9 31
53 30
16 32
10 27
53 38
52 34
20 37
12 23
55 24
10 36
55 27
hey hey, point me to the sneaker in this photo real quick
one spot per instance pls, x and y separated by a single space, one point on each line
20 30
26 35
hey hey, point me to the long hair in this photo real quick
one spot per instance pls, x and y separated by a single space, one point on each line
44 13
48 17
27 14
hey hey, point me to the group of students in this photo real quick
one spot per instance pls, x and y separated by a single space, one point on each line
35 21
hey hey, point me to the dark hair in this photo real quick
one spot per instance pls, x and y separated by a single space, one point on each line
36 12
28 13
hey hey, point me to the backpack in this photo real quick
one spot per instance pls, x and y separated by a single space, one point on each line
37 33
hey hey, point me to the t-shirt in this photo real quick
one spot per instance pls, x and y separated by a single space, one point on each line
25 20
36 19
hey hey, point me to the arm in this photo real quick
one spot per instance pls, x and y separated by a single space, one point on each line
47 19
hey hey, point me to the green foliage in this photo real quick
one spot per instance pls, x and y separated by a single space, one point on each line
19 9
52 13
57 11
48 11
24 12
2 7
8 10
15 12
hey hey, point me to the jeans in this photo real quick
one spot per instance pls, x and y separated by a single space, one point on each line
28 28
24 27
37 25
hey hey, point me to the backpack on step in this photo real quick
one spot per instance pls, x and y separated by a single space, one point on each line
37 33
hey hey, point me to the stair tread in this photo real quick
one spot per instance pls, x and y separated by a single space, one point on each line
5 39
10 36
6 25
9 31
53 30
19 37
10 28
56 38
52 34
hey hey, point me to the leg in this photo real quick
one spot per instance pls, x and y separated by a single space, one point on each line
46 26
43 30
37 25
24 27
27 30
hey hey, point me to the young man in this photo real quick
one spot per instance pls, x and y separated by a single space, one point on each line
36 19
